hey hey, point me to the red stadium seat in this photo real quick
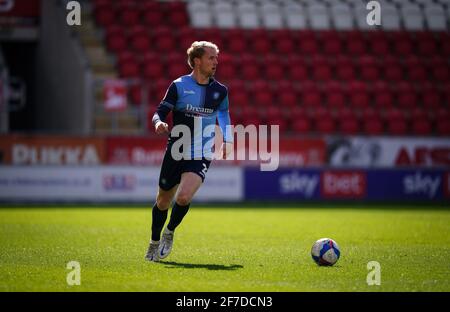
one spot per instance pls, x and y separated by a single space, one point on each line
331 43
307 43
288 99
345 69
298 71
368 68
415 69
129 16
403 45
129 69
140 42
392 69
335 94
310 95
396 122
421 127
373 126
264 98
250 71
178 18
358 94
153 70
406 95
239 98
302 125
382 94
379 43
284 45
321 68
426 43
440 69
176 70
105 15
431 96
355 42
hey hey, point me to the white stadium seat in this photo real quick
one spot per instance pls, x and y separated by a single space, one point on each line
342 16
435 17
390 18
271 15
318 16
295 15
200 14
248 14
224 14
412 17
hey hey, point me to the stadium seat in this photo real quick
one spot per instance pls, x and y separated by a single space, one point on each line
431 96
396 122
342 16
345 69
321 68
368 68
310 95
224 15
271 15
390 20
248 16
412 17
392 69
382 95
358 94
200 14
435 17
415 70
355 43
406 95
318 16
335 94
295 15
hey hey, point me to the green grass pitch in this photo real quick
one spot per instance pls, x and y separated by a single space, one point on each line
225 249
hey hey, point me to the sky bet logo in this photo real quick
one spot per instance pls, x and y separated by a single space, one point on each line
344 184
421 184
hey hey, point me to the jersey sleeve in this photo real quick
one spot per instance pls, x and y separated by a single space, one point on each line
167 104
223 117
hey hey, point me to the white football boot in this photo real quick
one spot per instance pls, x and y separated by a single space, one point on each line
152 252
165 247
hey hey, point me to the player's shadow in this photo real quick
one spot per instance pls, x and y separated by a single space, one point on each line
213 267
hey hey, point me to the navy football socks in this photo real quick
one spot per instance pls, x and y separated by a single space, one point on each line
158 220
178 213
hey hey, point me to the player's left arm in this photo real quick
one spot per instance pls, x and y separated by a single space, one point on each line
223 116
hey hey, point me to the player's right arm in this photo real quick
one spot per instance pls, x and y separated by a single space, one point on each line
164 108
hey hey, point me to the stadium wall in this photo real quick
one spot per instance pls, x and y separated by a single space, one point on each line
64 81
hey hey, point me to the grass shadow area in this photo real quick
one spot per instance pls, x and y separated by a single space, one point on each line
212 267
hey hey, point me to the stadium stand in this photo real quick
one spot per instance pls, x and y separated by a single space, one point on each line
311 66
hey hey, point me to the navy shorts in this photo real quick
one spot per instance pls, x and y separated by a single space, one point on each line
171 170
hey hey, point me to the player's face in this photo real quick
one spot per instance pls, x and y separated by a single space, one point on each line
208 62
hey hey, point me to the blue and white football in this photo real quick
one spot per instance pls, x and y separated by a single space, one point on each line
325 251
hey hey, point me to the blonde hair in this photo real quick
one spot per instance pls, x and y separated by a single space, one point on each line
197 49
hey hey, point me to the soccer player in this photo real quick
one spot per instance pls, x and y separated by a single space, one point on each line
196 101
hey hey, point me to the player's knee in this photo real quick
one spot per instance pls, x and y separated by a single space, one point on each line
162 203
183 199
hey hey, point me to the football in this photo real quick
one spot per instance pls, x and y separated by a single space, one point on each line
325 251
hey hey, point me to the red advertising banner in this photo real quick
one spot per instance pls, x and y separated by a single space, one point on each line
115 95
344 184
150 151
135 150
51 150
19 12
302 152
